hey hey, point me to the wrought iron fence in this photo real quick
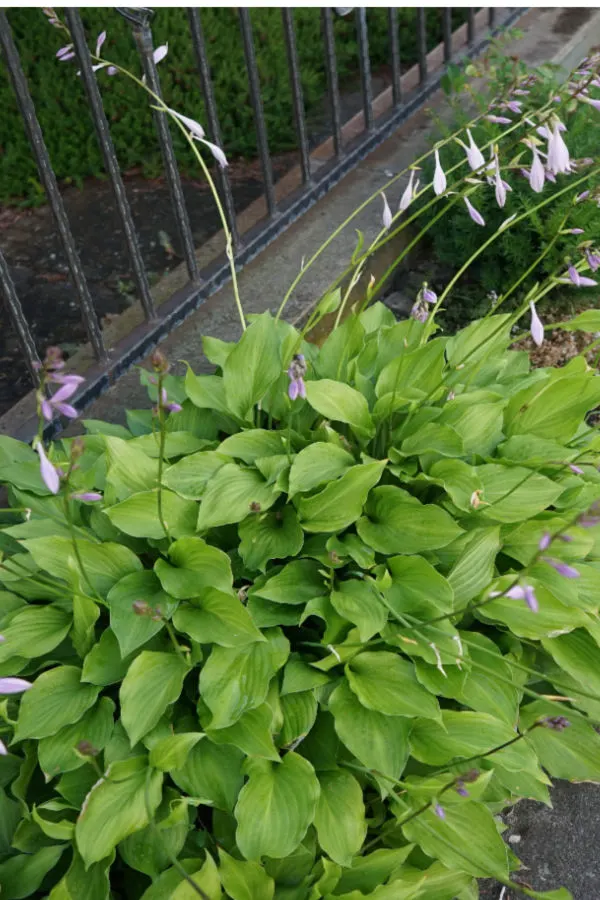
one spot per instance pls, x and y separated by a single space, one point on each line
315 180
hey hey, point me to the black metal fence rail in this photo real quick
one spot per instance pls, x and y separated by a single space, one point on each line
315 181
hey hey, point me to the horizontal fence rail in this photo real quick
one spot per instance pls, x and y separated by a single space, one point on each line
348 147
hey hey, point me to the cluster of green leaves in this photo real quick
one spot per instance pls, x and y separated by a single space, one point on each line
456 237
63 112
319 664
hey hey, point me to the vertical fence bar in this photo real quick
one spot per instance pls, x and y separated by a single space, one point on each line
212 117
259 117
142 34
48 179
333 88
470 25
296 84
18 321
447 29
422 43
365 65
109 156
395 55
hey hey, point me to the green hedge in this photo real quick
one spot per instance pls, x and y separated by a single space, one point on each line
66 123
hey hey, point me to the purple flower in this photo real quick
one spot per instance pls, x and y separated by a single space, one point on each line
593 260
537 329
499 184
439 176
562 568
586 521
475 157
545 541
197 133
160 53
499 120
296 373
409 192
575 469
536 173
56 402
531 599
520 92
439 811
594 103
419 312
582 196
49 474
100 40
580 280
427 294
575 231
475 215
65 53
555 723
387 213
170 406
514 106
14 685
518 592
558 152
87 496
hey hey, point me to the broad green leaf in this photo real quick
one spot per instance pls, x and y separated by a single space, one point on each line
341 503
478 340
216 350
588 320
415 373
34 631
150 850
169 881
466 839
251 733
378 741
57 753
207 878
129 469
417 588
104 664
217 617
86 613
478 424
368 872
271 535
342 345
579 655
116 807
84 884
138 515
252 444
340 816
190 475
171 752
57 698
22 875
485 688
511 495
395 525
298 676
153 682
244 880
554 408
387 683
287 795
433 438
573 754
458 479
318 464
252 366
341 403
233 681
104 564
297 583
232 494
299 714
358 602
474 569
195 566
211 773
206 391
133 630
437 882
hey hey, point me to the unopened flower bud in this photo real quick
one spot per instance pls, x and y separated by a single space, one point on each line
141 608
86 748
159 362
556 723
255 507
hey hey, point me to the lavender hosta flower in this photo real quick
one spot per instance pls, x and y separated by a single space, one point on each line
461 789
439 176
419 312
197 133
592 102
574 231
577 470
555 723
14 685
427 294
537 178
87 496
558 152
549 176
439 811
520 592
160 53
409 192
562 568
167 404
3 749
99 41
57 402
500 185
579 280
296 373
49 474
475 214
387 213
545 541
537 328
593 260
515 106
65 53
475 157
499 120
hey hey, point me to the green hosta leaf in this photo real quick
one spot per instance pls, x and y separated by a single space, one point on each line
340 816
298 583
287 795
386 683
340 504
235 680
342 345
458 479
232 494
511 495
22 875
216 350
132 630
433 438
378 741
417 588
138 515
129 469
190 475
244 880
86 613
479 340
414 373
104 664
252 445
358 602
588 320
217 618
150 851
270 535
34 631
212 773
252 366
368 872
195 566
206 877
553 409
171 752
57 753
206 391
104 564
466 839
396 525
341 403
153 682
177 443
299 714
573 754
485 688
117 807
579 655
318 464
478 424
84 884
474 569
57 698
251 733
298 676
